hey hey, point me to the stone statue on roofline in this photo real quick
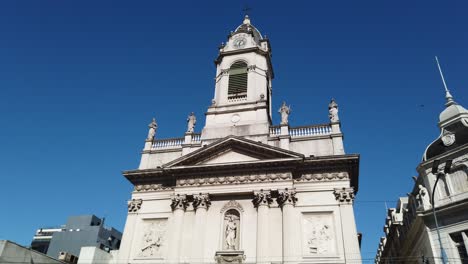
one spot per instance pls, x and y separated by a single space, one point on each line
191 121
152 129
333 111
284 111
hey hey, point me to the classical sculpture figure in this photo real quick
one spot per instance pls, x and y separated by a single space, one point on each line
423 197
191 121
284 111
152 129
231 232
333 111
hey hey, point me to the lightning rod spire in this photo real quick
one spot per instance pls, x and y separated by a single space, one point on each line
448 96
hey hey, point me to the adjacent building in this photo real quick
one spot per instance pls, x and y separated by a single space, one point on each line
12 253
411 233
79 231
244 190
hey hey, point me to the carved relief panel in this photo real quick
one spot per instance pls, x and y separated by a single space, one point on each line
154 238
319 236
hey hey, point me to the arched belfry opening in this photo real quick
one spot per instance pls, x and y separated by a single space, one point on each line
237 87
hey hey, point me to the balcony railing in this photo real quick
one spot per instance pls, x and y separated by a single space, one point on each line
172 143
308 131
303 131
168 143
196 138
275 131
237 98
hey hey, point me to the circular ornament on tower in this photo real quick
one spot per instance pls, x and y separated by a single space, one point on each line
235 118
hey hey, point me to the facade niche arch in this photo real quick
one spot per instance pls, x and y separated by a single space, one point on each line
231 233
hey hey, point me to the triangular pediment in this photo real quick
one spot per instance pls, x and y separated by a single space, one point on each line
232 149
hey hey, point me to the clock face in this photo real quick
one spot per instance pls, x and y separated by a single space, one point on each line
239 42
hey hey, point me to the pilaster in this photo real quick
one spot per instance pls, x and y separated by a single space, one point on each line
201 203
178 205
345 198
134 207
262 200
287 200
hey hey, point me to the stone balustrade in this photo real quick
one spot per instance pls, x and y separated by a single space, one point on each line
303 131
196 138
275 131
167 143
237 98
170 143
307 131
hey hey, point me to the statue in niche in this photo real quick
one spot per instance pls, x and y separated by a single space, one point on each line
191 121
333 111
152 129
284 111
231 230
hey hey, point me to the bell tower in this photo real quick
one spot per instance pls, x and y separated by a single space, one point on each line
242 100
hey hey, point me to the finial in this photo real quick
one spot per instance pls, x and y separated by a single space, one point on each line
246 20
448 96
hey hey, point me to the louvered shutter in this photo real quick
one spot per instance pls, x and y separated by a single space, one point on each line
238 79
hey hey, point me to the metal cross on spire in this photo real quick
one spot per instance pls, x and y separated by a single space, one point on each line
246 10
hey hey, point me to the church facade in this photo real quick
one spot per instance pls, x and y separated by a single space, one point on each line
244 190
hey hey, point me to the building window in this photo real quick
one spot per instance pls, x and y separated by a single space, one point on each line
460 240
237 81
459 180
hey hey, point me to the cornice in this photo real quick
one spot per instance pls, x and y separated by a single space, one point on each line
313 169
253 108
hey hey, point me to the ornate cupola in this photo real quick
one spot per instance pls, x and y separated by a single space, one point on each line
242 99
453 123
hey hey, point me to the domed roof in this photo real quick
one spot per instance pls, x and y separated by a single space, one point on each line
246 27
453 122
452 111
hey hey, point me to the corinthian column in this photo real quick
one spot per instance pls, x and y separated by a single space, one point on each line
201 202
345 198
262 201
178 205
287 200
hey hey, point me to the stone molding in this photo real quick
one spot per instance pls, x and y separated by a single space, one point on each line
229 256
327 176
344 195
232 205
201 201
134 205
238 179
286 197
179 202
151 187
262 197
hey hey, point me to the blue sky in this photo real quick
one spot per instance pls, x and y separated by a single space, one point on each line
80 81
